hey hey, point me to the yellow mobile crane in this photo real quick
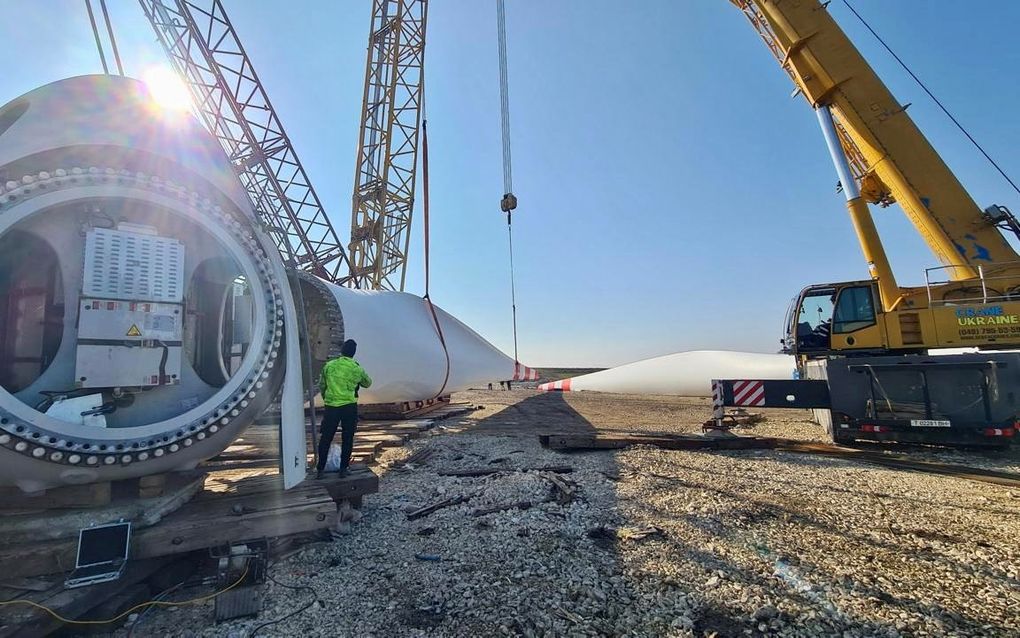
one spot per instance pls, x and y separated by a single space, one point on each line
869 339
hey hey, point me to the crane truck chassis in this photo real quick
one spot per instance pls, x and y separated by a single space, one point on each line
961 399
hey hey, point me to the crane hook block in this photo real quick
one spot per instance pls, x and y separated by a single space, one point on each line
508 203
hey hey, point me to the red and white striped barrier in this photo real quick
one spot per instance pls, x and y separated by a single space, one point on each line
556 386
524 373
749 393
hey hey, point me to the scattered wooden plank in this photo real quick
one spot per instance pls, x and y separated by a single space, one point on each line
367 446
230 464
386 440
521 505
428 509
610 441
392 428
485 471
353 486
565 491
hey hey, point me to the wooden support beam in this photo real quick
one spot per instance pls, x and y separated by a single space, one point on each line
69 496
71 603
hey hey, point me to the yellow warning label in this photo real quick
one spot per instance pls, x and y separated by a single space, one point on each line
133 331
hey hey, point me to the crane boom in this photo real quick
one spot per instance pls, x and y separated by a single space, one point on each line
385 174
893 160
204 48
862 347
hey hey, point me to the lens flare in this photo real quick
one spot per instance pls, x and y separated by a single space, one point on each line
167 90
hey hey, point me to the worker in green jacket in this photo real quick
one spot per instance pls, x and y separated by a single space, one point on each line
339 383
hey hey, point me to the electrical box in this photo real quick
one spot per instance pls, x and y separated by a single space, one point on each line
106 366
112 320
133 264
122 343
130 319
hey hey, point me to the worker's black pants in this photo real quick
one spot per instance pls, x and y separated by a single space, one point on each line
345 416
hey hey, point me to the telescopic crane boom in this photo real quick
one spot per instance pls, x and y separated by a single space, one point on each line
882 158
862 346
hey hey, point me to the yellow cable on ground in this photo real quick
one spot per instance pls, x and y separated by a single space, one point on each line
124 614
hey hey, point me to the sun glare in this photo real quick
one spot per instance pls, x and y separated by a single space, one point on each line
166 89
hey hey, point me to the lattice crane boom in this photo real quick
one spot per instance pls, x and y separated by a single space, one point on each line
385 175
204 48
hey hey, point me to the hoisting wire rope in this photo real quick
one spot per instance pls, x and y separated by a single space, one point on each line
509 201
110 35
95 33
113 40
425 228
932 96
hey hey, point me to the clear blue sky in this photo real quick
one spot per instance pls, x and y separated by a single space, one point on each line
672 195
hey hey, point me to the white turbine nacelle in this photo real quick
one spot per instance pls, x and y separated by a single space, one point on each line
147 319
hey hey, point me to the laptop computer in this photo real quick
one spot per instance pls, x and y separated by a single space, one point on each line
102 554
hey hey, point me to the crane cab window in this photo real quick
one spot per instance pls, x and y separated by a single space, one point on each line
814 321
855 309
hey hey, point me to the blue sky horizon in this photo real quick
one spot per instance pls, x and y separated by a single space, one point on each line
672 194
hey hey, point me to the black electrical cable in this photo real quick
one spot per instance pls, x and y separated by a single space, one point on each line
315 599
162 362
147 610
932 96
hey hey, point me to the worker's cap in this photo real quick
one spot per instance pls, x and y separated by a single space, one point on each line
349 348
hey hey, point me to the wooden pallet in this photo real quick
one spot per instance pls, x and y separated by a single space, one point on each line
236 505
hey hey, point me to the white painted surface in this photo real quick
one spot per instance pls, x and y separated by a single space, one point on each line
685 373
399 347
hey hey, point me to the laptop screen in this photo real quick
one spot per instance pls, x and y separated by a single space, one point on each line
103 544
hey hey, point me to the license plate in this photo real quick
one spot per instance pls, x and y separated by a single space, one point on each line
928 423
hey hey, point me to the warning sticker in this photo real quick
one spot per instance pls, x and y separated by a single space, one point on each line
133 331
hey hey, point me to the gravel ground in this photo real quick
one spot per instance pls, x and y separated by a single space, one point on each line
654 543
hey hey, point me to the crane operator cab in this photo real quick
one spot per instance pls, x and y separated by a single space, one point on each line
829 317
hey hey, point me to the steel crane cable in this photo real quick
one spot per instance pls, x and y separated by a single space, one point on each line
113 40
95 34
932 96
110 34
509 201
425 229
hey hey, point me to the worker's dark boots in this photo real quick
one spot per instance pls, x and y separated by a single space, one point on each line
343 472
318 475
